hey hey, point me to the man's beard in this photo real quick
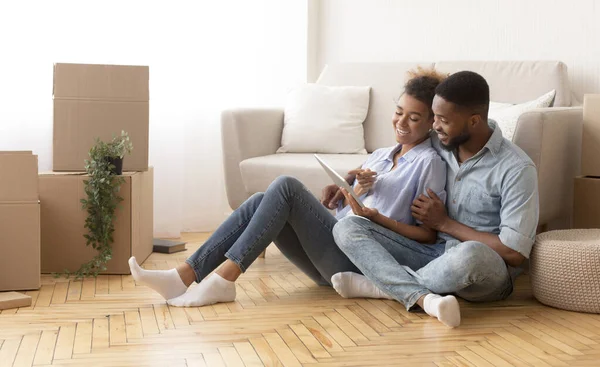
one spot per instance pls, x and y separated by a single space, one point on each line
455 142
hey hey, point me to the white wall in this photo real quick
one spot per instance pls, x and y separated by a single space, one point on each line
432 30
204 56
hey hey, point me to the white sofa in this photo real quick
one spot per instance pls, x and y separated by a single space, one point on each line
550 136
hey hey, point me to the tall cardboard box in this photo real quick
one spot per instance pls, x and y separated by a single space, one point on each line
586 204
19 222
63 219
590 140
99 101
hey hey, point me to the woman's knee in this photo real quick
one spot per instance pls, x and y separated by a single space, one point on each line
255 199
286 181
286 185
346 229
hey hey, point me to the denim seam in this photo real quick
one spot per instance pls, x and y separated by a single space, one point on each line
228 236
261 235
304 204
413 298
315 214
237 261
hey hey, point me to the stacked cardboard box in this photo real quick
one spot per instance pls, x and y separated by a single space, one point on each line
19 222
96 101
586 206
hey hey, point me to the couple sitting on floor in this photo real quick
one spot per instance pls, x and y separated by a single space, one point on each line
449 213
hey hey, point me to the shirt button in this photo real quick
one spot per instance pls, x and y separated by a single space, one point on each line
453 201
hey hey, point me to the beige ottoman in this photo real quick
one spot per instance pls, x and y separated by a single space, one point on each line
565 269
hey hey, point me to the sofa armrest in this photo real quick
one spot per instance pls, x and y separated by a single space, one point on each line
247 133
552 139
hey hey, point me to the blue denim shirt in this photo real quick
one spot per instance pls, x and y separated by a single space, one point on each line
495 191
394 190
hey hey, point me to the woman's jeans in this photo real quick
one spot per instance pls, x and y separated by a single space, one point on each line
286 214
408 270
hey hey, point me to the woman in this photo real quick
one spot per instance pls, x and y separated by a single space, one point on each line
301 227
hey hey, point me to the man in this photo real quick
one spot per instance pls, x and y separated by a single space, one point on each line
484 234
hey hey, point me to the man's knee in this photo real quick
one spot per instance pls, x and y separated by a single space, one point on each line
474 257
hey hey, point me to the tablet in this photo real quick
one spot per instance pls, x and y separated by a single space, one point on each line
339 180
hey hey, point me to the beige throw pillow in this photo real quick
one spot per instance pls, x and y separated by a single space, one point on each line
324 119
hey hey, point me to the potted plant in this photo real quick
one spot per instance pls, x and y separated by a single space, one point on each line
115 151
104 168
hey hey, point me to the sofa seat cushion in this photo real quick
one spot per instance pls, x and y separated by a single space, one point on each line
259 172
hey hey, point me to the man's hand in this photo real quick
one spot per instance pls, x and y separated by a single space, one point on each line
369 213
430 210
331 196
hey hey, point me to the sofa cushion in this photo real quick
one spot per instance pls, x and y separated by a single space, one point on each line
507 115
259 172
518 81
387 81
315 113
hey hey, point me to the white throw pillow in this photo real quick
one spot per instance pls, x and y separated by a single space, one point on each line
323 119
507 115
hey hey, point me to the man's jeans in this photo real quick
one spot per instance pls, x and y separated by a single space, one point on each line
287 214
408 270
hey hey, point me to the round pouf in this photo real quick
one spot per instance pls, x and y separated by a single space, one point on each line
565 269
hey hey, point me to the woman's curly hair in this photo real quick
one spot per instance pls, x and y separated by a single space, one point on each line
421 85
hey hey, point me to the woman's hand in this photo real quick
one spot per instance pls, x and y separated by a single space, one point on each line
365 180
368 213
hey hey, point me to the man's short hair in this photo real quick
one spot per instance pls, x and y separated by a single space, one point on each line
466 89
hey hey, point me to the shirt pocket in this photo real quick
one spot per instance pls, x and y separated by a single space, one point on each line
483 209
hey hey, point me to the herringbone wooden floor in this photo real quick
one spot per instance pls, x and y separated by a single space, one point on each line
280 318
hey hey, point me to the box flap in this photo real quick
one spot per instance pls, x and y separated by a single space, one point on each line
18 177
101 82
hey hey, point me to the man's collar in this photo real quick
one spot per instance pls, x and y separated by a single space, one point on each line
494 143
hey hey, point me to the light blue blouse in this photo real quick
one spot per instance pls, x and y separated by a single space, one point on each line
394 190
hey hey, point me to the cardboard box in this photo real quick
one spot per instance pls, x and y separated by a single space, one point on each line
19 222
63 219
590 141
586 204
19 246
18 177
14 300
99 101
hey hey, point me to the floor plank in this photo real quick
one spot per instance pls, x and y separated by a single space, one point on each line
280 318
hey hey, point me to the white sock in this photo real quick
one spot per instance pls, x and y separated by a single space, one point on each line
167 283
213 289
445 309
354 285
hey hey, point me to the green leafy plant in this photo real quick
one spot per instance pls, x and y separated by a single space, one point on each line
102 190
